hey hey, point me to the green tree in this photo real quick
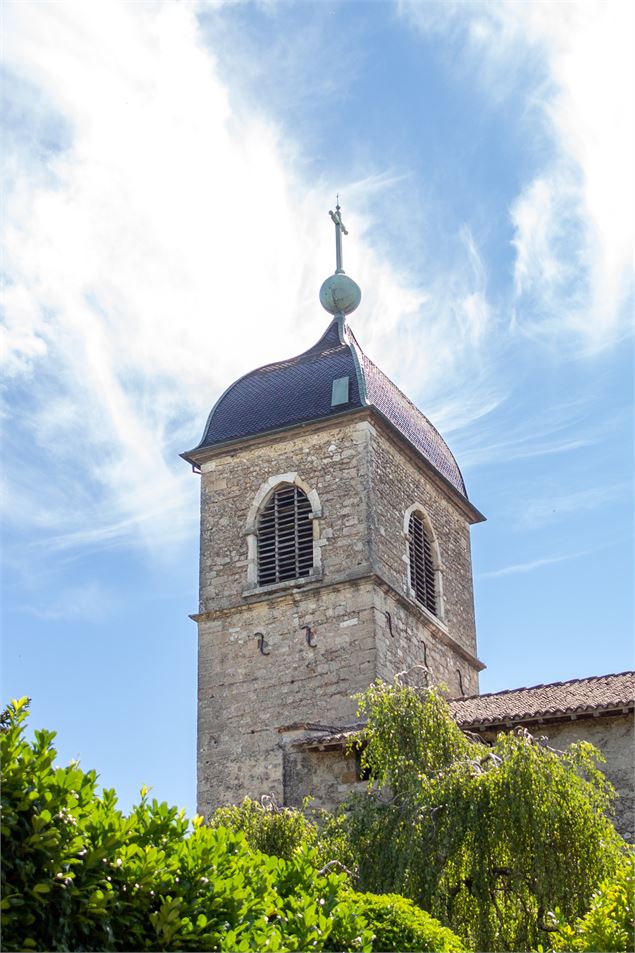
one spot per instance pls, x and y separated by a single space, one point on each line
607 926
79 875
487 839
285 831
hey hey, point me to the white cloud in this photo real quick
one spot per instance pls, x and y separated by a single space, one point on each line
443 332
543 217
168 248
573 223
160 240
530 566
573 220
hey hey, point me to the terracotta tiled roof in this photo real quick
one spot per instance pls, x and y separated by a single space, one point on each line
596 695
298 391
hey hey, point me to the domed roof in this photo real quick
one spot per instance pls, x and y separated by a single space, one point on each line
300 390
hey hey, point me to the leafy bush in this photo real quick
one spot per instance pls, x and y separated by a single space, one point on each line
400 925
397 923
487 839
607 927
273 830
78 874
285 831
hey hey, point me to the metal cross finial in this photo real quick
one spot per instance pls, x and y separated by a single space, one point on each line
336 216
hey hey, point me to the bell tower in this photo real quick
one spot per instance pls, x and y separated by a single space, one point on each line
335 549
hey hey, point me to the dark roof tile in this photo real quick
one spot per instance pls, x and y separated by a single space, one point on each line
283 394
408 419
298 391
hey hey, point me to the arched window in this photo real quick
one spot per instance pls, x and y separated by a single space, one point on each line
422 569
285 536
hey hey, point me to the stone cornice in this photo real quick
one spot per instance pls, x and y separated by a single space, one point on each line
197 458
365 574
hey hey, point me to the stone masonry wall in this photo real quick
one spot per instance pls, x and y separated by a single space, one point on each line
412 643
396 484
245 696
615 738
332 461
329 776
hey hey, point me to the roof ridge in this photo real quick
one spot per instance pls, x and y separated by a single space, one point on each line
530 688
353 345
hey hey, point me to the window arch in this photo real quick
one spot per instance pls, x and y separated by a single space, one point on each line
421 557
285 536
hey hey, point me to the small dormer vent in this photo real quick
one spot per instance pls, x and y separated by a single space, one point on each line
339 391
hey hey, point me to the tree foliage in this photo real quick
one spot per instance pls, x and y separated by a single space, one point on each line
285 831
79 875
397 923
488 839
504 844
608 924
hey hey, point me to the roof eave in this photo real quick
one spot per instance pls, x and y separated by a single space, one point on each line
512 721
331 743
200 454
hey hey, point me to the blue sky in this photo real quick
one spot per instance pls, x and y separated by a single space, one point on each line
168 172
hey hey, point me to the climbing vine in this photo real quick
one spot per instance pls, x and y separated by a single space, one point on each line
489 839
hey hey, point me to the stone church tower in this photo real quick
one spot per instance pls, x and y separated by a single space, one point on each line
335 549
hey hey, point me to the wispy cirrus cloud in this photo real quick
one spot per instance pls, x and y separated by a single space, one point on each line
536 513
572 220
152 254
162 236
525 433
154 251
531 565
450 312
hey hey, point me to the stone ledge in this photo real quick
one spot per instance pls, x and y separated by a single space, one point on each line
287 584
282 591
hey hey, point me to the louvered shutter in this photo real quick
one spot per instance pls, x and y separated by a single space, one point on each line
422 576
285 537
